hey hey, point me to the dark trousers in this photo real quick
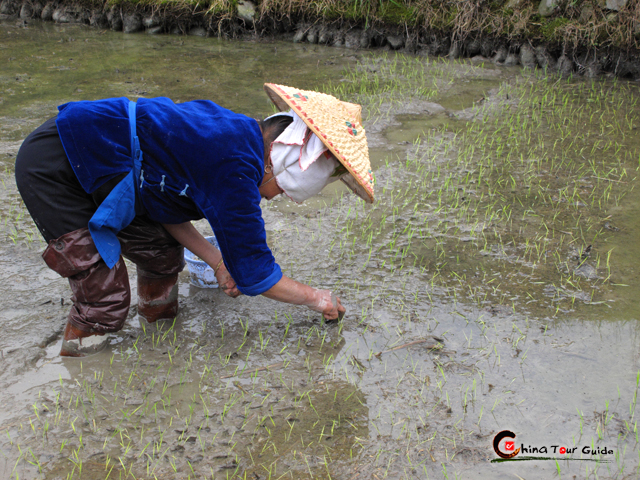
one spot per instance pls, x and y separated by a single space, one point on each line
61 210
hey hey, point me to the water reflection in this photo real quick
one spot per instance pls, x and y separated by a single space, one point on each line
46 65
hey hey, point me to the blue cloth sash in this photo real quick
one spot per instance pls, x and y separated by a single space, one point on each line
118 209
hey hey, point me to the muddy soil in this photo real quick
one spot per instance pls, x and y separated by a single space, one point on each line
490 287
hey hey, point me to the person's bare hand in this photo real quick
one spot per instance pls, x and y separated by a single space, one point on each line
226 282
328 304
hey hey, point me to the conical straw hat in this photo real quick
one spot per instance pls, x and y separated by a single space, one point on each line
338 125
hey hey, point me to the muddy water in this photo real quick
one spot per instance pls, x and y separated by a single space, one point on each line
467 311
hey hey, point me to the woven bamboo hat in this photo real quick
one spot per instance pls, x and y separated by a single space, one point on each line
338 125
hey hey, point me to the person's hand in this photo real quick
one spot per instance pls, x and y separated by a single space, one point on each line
226 282
328 304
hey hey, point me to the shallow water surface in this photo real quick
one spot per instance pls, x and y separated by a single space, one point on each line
491 286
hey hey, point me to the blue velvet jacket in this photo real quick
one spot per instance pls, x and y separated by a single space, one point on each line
199 160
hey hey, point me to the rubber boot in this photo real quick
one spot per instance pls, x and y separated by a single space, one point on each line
77 343
157 296
101 296
159 258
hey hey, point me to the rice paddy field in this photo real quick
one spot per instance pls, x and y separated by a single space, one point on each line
492 285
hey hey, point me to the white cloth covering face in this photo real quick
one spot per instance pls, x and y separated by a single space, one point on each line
302 164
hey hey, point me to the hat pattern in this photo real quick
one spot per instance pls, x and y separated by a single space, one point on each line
338 126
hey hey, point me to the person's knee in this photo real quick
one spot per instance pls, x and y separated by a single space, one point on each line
154 251
72 253
161 262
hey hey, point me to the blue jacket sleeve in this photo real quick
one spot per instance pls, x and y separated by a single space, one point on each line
236 218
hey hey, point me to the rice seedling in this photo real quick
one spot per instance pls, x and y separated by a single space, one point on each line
522 157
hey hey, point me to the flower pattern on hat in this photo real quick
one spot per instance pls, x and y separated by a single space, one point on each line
338 125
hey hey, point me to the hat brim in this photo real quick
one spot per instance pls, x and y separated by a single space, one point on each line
360 179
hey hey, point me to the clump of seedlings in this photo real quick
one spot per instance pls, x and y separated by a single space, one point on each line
218 406
520 191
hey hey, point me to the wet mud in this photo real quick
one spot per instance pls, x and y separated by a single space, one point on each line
491 286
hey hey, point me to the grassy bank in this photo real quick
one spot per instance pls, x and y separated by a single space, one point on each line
573 23
576 22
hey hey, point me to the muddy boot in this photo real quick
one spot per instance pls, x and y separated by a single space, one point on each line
157 296
159 258
77 343
101 296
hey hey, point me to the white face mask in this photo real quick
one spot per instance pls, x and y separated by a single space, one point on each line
302 164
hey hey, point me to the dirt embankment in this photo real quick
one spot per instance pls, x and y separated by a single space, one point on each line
585 37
